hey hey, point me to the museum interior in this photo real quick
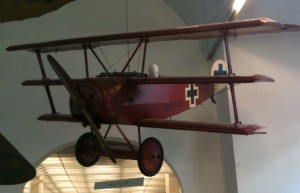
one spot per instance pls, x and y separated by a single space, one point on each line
193 161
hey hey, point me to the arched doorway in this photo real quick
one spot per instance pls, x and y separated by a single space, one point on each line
61 173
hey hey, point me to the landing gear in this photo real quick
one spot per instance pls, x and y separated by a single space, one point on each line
150 157
85 143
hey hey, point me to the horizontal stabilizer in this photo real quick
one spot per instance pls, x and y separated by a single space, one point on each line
240 129
58 117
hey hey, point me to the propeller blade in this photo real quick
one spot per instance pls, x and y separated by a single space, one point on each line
98 135
64 77
67 82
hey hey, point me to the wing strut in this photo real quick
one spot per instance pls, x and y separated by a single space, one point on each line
231 85
38 53
101 63
133 54
144 56
86 61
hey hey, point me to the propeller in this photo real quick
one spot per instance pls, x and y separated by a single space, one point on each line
72 89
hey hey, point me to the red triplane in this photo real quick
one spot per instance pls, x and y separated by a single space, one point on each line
130 98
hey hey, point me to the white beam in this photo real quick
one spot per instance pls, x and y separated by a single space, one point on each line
37 185
172 185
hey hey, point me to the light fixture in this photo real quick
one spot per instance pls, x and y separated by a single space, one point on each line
237 5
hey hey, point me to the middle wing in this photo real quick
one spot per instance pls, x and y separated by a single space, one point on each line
227 128
202 79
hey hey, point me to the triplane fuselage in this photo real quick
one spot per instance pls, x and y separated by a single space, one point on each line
134 98
127 101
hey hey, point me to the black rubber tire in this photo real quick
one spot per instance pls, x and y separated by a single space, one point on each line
86 141
150 157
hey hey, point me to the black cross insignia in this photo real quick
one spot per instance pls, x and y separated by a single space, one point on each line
192 94
220 71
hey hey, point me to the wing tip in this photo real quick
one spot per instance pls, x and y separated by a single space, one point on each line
263 78
250 129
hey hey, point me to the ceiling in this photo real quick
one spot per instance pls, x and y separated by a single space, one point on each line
191 11
60 173
195 12
24 9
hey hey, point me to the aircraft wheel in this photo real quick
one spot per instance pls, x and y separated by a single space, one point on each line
150 157
85 142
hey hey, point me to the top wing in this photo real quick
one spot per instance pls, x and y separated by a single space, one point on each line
215 30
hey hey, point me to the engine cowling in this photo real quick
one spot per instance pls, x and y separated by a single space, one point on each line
102 99
92 100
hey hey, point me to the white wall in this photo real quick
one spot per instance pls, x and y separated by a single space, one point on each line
269 163
195 157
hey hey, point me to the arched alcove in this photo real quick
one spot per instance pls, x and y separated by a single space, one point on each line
60 172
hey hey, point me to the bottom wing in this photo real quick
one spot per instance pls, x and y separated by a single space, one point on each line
240 129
